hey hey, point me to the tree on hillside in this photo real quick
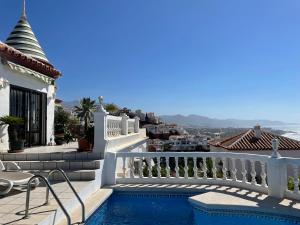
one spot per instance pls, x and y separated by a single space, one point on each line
111 107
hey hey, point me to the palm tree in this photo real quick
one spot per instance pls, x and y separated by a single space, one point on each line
85 111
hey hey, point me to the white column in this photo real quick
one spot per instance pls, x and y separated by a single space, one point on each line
124 124
136 124
100 133
109 169
276 173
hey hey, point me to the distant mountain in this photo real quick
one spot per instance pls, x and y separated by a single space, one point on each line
202 121
69 106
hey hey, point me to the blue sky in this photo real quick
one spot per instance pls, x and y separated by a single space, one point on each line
223 59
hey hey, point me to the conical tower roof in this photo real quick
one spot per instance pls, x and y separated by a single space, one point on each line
23 39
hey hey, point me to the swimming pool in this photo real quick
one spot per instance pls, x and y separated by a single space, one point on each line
147 208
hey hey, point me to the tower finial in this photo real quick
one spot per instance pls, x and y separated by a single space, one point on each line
24 9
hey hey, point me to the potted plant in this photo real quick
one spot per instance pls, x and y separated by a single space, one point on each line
15 142
85 112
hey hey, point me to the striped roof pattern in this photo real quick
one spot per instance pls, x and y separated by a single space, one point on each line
247 141
23 39
11 54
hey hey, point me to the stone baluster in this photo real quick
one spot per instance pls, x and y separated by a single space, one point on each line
204 168
214 168
244 171
124 167
167 167
136 124
253 172
124 123
233 170
131 167
224 168
195 169
149 167
158 167
141 167
296 179
186 175
176 167
263 174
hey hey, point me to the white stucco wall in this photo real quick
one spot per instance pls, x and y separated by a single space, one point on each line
30 82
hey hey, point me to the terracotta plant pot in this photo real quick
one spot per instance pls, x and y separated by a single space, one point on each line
84 145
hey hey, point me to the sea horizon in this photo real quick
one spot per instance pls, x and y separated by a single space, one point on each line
293 130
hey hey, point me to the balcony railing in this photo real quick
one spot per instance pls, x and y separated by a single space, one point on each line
116 133
114 126
260 173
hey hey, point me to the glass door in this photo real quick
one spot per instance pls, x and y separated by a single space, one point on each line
32 106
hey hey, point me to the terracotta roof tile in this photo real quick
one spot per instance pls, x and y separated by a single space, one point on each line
247 141
15 56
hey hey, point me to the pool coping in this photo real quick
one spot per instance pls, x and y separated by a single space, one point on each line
269 210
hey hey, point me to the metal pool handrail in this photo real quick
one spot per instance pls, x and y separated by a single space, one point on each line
52 192
72 188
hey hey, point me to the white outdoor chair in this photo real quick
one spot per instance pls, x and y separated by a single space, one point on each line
13 176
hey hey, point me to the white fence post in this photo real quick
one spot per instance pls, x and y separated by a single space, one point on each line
276 173
136 124
100 133
109 169
124 124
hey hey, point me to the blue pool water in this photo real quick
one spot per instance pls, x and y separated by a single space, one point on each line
132 208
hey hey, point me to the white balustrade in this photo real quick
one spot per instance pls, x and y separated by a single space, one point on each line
117 126
141 167
244 171
131 167
167 167
229 174
214 168
253 173
158 167
149 167
263 174
204 168
195 169
131 123
176 167
292 189
113 126
224 168
296 179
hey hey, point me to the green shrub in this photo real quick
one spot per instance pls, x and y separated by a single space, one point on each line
291 184
11 120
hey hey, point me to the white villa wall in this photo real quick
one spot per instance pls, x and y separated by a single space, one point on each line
30 82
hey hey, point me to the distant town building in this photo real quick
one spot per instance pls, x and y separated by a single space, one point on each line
188 143
141 115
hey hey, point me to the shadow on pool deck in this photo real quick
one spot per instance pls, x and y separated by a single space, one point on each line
227 197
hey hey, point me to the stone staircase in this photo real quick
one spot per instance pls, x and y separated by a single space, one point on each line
76 170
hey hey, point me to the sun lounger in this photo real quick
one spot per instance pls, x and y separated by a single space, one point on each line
13 176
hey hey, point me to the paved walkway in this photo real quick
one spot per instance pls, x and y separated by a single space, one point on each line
12 208
71 147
